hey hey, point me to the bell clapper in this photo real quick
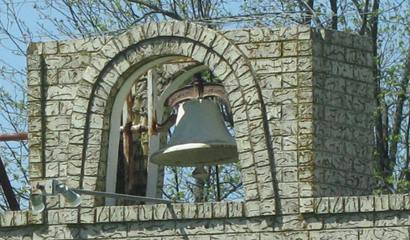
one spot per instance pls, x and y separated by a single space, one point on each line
200 175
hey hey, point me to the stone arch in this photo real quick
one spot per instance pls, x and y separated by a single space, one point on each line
140 48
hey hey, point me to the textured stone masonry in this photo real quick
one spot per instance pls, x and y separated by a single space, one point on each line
302 101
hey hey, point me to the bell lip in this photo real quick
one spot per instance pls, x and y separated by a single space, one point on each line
187 146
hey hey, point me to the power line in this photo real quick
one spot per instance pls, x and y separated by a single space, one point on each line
248 16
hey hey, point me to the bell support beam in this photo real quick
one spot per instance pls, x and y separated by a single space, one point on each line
154 139
4 180
13 136
7 189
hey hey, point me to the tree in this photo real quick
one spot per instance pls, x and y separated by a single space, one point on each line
13 104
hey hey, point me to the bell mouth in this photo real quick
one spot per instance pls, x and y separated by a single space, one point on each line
195 154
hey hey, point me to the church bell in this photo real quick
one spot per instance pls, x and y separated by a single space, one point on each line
200 135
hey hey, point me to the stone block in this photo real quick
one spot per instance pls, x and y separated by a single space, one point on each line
20 218
131 213
68 216
267 207
220 209
55 232
238 36
53 217
101 231
34 219
252 209
321 205
306 205
313 222
407 202
87 215
52 169
289 174
384 233
251 192
263 34
339 234
290 206
351 204
396 202
306 189
116 213
288 190
145 212
102 214
248 176
289 223
336 205
261 50
7 219
49 48
235 209
204 210
189 211
304 32
305 157
381 203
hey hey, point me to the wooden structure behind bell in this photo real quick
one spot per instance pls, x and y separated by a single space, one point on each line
200 137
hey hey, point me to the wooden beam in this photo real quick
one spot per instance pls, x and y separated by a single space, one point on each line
154 140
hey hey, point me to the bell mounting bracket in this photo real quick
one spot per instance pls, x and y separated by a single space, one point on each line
197 91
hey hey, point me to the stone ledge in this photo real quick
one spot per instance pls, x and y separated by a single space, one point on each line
155 212
355 204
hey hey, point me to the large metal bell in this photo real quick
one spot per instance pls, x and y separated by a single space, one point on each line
200 137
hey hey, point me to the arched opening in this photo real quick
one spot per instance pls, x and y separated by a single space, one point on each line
143 94
122 62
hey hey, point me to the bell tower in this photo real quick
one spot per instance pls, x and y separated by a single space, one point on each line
300 99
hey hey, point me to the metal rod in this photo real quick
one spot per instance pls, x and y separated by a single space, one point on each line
122 196
218 187
139 128
7 189
13 137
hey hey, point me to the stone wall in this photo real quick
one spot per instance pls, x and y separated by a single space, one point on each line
370 217
301 100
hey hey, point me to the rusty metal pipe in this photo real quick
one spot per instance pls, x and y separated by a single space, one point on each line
13 136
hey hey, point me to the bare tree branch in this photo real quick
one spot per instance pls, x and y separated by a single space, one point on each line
156 8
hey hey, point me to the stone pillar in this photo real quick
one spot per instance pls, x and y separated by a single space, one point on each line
318 93
343 110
